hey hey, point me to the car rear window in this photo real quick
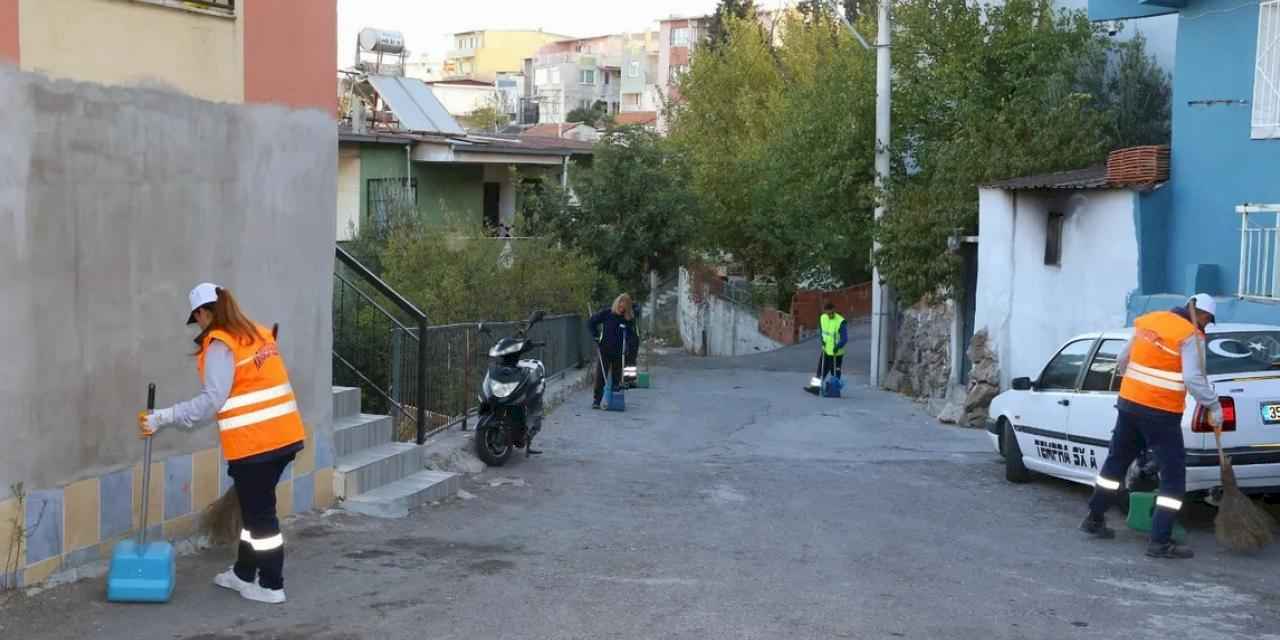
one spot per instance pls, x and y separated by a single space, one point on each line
1243 352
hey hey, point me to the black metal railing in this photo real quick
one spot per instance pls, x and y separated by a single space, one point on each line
376 346
459 356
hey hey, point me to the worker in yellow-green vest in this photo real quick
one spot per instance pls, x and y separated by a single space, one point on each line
835 335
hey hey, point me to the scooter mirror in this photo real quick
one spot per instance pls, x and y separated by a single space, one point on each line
537 316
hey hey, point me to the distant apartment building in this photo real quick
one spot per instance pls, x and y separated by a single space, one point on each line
677 39
484 55
640 75
425 68
618 71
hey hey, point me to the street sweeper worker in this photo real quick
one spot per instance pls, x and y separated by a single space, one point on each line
615 333
246 388
1161 365
835 335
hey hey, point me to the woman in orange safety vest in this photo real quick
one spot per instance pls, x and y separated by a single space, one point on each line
246 388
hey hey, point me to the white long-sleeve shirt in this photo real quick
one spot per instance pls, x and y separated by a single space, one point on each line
1193 374
219 372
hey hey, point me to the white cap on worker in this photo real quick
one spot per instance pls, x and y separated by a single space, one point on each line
1205 302
204 293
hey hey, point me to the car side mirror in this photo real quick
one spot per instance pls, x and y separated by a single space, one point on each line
1023 384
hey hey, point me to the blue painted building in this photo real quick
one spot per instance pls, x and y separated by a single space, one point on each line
1225 155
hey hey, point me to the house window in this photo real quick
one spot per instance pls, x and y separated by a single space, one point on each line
1053 240
678 71
1266 75
634 69
390 199
540 77
587 76
555 76
680 36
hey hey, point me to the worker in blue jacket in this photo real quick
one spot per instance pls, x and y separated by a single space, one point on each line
835 335
614 331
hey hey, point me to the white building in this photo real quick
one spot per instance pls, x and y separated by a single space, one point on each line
1057 257
464 97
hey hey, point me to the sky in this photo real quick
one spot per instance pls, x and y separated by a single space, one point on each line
427 24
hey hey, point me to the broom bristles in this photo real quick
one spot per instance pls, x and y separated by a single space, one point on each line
1240 525
222 519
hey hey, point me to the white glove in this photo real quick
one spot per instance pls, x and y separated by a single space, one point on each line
1214 415
157 419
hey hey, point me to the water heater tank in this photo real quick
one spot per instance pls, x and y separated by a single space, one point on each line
379 41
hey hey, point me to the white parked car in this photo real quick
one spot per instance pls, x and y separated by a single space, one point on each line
1060 423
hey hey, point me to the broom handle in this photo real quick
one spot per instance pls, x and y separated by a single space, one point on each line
1217 428
146 469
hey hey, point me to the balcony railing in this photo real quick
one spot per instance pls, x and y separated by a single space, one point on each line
1259 250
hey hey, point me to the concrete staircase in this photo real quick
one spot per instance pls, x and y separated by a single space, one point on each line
375 475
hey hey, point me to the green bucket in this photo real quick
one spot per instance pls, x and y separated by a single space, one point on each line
1142 508
642 380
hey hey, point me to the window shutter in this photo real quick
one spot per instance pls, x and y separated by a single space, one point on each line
1266 77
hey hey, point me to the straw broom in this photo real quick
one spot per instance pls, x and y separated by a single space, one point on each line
222 519
1240 524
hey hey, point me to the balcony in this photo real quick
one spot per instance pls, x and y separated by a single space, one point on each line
1259 250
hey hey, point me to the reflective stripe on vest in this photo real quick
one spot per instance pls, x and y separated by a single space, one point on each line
261 412
1154 375
830 325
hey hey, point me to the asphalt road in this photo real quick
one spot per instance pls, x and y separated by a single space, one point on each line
725 503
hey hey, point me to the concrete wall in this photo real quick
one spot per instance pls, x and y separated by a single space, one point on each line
137 44
290 48
448 191
730 329
114 202
1030 309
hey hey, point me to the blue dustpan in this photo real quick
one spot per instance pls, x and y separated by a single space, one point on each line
832 387
614 399
142 571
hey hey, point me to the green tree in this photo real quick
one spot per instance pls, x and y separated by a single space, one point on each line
782 165
982 93
597 115
727 10
1141 97
631 209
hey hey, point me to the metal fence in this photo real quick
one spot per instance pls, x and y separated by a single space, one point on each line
426 386
458 355
1259 251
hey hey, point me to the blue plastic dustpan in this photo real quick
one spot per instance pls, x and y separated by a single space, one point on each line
614 399
832 387
142 571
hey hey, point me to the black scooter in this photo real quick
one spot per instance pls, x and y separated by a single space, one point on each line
511 397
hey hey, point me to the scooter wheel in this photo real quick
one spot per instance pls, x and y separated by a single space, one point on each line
492 445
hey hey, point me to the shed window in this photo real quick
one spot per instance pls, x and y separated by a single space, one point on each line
1266 74
1053 240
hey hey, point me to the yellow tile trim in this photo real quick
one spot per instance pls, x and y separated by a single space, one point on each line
81 504
40 571
12 521
284 498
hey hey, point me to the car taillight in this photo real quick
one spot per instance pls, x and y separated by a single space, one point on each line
1200 421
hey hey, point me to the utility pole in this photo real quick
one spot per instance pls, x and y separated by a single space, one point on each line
881 296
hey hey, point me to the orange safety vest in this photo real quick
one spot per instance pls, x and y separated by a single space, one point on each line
261 413
1154 375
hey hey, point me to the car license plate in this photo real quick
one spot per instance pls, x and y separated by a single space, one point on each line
1271 413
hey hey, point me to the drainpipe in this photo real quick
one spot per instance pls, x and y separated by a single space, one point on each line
408 164
564 173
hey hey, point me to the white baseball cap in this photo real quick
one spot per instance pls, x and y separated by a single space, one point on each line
1205 302
204 293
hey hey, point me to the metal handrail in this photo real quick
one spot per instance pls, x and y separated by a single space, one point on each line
410 310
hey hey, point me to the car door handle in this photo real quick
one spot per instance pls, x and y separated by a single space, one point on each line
1064 402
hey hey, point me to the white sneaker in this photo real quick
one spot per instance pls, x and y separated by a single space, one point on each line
258 593
229 580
